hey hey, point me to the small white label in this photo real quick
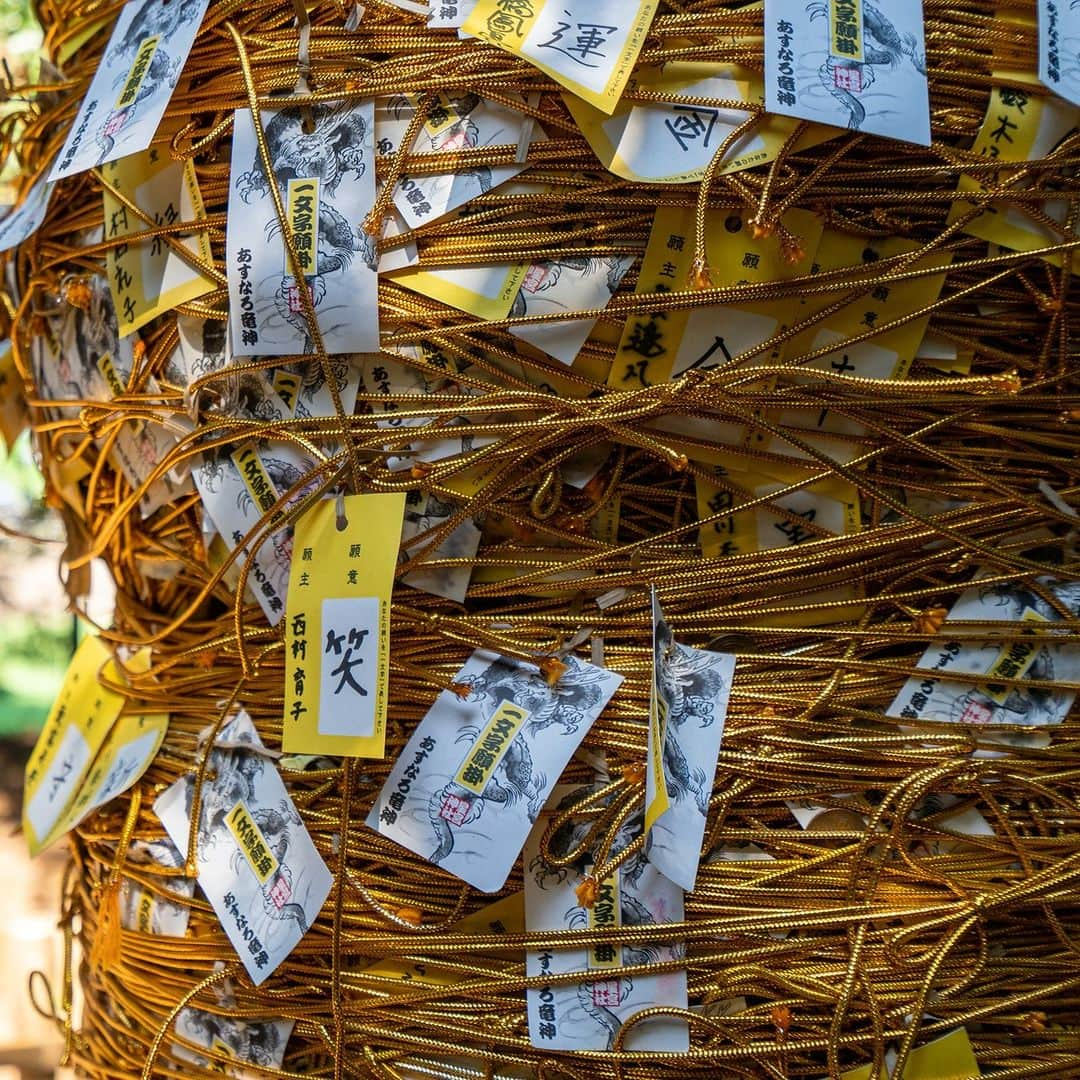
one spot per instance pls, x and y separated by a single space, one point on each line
56 790
349 669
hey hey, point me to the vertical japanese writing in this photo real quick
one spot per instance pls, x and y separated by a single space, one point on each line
303 217
395 801
140 66
785 66
1053 62
490 747
251 841
244 290
547 1028
606 913
298 655
845 28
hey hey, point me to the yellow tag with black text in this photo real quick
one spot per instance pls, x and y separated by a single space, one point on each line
588 46
69 773
125 755
1019 126
147 277
505 916
660 345
337 626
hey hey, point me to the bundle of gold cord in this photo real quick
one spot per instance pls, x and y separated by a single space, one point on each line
817 524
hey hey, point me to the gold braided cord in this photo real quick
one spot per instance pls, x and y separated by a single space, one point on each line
870 930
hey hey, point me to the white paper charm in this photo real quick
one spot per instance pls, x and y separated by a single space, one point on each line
326 180
21 221
570 284
423 512
257 864
245 1041
1059 48
472 779
589 1014
691 687
133 84
850 63
940 697
238 486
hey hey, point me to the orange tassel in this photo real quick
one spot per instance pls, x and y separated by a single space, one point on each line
781 1018
587 892
635 773
1008 382
761 230
700 278
1033 1021
929 621
412 915
793 251
552 668
77 293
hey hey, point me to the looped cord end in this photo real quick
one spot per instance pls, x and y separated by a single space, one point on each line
1008 382
700 278
760 229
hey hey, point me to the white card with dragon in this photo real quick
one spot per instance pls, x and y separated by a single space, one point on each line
22 220
589 1014
238 486
149 909
256 861
453 124
943 697
251 1042
570 285
474 776
849 63
132 85
693 687
326 182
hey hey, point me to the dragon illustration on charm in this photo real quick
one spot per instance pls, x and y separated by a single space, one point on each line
883 47
514 779
326 143
599 1000
688 681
